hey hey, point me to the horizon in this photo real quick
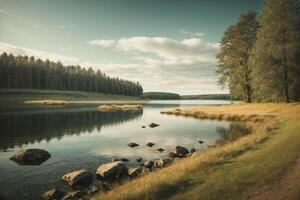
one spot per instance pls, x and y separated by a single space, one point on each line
159 44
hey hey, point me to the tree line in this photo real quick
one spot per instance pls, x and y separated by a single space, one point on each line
30 73
259 57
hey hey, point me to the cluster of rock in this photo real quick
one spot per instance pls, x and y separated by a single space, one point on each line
81 181
151 125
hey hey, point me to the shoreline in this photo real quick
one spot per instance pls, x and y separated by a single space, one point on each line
275 118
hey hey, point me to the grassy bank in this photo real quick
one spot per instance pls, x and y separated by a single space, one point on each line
230 171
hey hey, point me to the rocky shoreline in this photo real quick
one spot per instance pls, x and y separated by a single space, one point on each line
82 182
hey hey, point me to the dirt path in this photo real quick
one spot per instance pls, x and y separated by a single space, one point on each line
287 188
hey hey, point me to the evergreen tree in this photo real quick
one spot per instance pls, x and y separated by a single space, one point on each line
24 72
275 59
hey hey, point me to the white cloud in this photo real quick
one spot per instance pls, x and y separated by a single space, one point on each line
185 66
9 48
192 34
102 43
189 49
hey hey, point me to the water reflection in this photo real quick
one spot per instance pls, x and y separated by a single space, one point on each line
234 131
20 129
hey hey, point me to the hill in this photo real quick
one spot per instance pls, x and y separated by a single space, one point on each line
160 95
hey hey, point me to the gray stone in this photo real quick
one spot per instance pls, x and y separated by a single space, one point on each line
160 150
52 194
79 177
162 162
193 150
179 151
132 144
150 144
112 170
153 125
135 171
31 156
148 164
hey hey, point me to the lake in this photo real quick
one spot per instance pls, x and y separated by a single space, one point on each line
83 137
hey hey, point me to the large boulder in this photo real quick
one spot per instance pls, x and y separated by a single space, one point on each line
179 151
52 194
162 162
113 170
31 156
78 178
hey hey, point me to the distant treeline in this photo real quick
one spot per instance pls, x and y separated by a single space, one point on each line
207 96
259 57
160 95
31 73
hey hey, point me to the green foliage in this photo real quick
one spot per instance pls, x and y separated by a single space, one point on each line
260 60
28 73
275 59
233 57
160 95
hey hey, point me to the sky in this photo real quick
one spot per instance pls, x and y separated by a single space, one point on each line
166 45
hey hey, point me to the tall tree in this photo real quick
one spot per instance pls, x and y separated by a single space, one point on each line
233 57
275 59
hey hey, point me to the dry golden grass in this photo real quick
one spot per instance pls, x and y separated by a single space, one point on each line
164 183
48 102
108 108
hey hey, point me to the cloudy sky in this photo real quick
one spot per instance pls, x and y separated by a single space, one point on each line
166 45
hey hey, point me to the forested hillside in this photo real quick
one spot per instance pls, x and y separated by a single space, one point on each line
160 95
31 73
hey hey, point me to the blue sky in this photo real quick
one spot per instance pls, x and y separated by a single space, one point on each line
167 45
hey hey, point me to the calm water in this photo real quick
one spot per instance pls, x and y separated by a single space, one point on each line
86 138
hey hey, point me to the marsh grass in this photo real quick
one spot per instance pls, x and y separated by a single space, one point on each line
109 108
48 102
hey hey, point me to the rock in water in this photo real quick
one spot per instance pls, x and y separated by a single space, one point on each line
148 164
52 194
132 144
113 170
162 162
138 160
150 144
179 151
78 178
160 150
31 156
77 194
193 150
200 142
153 125
135 171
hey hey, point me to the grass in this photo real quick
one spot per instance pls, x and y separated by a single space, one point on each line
229 171
13 99
108 108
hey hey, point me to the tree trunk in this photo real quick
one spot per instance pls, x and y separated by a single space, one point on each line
285 77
